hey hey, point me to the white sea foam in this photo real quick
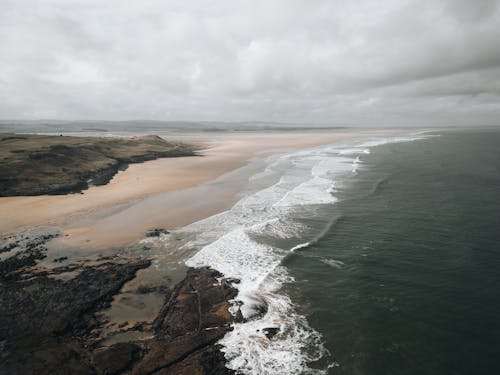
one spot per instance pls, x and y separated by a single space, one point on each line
286 353
313 191
354 151
300 246
355 164
388 140
234 243
235 254
334 263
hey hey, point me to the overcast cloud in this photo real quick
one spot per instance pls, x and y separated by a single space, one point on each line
393 62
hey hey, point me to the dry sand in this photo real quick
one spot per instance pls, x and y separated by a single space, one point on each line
154 193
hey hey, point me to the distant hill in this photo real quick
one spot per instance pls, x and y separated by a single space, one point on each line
146 126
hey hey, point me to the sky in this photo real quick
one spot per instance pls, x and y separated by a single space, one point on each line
384 62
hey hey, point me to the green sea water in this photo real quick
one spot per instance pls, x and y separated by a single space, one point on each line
406 280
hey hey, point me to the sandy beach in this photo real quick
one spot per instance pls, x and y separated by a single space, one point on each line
121 211
102 261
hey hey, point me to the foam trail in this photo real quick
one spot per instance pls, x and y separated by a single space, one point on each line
250 241
300 246
334 263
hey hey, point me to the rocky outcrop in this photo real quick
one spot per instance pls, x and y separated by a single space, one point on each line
46 322
116 359
43 317
187 329
157 232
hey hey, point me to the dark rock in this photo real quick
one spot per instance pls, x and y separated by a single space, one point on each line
8 247
50 358
44 306
198 302
157 232
116 358
30 250
208 361
270 332
42 315
188 327
46 323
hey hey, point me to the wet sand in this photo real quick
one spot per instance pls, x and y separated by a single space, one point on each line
165 193
169 192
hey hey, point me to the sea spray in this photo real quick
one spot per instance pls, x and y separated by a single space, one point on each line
250 241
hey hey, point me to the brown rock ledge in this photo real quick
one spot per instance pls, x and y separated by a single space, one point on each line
186 332
46 322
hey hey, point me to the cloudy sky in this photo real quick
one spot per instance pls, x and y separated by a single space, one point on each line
380 62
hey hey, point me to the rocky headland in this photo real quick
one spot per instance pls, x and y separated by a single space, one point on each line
47 164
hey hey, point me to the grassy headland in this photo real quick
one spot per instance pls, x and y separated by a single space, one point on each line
46 164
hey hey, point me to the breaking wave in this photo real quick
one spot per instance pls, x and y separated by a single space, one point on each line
250 241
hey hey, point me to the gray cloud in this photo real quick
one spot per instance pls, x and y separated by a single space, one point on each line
362 62
472 11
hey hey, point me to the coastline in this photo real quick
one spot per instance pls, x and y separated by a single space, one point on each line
131 189
87 238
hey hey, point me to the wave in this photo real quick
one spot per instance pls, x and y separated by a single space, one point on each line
250 241
333 263
304 245
388 140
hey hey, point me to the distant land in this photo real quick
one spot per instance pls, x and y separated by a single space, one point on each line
48 164
147 126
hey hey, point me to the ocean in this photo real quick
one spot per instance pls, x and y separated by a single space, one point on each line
371 257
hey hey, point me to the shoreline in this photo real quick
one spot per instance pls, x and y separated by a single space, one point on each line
134 191
95 242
